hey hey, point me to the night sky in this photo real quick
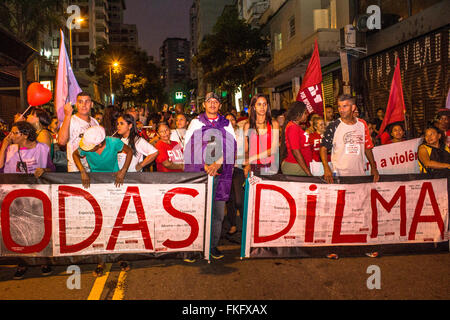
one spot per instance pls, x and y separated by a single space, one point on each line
157 20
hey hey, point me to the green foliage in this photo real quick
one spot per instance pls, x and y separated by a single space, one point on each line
230 56
28 20
136 79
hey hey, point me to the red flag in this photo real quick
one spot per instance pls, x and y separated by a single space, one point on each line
310 92
395 111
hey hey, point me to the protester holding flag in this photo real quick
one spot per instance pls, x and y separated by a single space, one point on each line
74 126
395 110
261 137
310 92
396 132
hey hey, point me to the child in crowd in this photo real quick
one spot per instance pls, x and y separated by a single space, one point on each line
315 138
179 132
101 154
170 154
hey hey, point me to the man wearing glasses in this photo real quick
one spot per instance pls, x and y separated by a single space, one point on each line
74 126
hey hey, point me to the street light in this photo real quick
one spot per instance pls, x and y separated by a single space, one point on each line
115 64
79 20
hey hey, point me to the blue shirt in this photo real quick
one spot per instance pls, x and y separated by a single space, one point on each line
107 161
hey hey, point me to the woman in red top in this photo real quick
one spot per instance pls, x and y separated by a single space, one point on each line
295 149
262 137
315 138
170 154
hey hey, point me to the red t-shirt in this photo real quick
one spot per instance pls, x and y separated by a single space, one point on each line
315 139
297 139
171 152
385 138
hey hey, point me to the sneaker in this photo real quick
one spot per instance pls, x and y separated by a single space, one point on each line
216 254
124 266
372 254
46 270
20 273
189 260
333 256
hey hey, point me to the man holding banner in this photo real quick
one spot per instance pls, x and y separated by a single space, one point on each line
349 140
211 147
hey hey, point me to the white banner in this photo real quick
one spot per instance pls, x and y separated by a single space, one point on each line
296 214
68 220
394 158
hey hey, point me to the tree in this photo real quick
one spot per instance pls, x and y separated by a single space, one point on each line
134 71
230 55
28 20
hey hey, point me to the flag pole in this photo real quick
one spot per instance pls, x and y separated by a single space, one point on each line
323 104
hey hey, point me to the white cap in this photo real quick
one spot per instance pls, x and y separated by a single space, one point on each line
92 137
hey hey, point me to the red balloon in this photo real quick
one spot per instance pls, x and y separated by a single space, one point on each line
38 94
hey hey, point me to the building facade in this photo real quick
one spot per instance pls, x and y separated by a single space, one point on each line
292 27
203 15
175 59
418 34
121 34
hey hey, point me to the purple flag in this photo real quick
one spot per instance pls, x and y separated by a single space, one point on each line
67 87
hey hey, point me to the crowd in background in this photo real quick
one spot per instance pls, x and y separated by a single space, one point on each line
133 140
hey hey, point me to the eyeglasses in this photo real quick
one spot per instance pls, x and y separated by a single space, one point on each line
16 132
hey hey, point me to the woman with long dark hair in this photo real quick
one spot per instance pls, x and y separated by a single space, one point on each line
434 154
295 149
262 137
109 119
40 119
143 152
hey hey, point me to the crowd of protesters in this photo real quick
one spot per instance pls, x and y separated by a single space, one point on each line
265 141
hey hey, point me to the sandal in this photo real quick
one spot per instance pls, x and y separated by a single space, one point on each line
98 272
124 266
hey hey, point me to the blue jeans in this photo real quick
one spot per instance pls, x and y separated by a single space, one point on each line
216 222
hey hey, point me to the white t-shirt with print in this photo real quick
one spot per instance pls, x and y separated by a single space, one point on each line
348 144
77 127
143 149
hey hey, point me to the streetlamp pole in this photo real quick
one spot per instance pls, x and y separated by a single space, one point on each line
115 64
110 81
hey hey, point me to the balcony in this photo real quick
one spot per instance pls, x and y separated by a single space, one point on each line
256 10
293 59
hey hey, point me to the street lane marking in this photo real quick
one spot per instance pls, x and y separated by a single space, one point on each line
119 293
99 284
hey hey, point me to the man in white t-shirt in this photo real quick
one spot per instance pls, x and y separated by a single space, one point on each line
349 140
74 126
